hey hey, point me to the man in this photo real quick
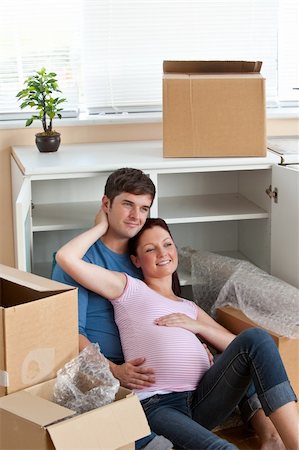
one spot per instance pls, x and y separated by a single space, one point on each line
128 196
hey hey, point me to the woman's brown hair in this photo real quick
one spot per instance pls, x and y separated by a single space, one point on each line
134 241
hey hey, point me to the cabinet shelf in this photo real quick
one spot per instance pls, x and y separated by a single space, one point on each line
63 216
209 208
184 209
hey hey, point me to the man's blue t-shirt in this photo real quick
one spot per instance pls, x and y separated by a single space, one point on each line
96 316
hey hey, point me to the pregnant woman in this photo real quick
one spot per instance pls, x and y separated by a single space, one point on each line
189 396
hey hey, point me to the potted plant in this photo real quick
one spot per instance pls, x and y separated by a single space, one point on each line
38 95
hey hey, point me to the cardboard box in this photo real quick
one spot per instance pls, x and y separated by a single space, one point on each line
40 424
213 109
235 321
38 328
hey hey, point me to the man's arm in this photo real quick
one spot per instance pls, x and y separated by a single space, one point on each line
83 342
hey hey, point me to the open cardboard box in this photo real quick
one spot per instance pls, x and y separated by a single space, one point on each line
30 420
38 328
213 109
235 320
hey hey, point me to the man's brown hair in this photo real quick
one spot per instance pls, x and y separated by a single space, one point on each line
129 180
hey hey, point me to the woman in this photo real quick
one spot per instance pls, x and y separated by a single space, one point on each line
189 397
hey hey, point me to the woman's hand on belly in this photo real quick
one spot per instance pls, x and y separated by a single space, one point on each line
179 320
183 321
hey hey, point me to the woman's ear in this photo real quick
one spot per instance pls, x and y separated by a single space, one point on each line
135 261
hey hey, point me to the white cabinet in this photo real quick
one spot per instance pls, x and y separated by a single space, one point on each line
285 223
216 204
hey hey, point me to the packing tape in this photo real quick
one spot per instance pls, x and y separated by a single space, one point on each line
4 381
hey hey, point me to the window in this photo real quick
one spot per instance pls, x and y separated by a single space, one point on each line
108 54
35 34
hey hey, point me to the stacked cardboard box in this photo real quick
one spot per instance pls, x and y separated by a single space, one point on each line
39 328
38 335
213 109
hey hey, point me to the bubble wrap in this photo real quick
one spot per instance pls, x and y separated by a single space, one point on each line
222 281
209 272
86 382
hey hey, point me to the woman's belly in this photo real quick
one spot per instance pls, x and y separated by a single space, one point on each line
176 355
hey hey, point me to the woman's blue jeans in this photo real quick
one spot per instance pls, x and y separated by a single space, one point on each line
185 418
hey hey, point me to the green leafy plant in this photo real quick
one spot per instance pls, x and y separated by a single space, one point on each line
38 95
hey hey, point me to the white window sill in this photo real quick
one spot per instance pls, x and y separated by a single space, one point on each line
130 118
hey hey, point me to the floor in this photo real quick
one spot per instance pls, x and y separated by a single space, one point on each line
240 437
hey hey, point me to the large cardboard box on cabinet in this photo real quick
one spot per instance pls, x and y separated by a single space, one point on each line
38 328
38 423
213 109
235 321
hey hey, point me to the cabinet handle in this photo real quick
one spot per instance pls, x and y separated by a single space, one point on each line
272 194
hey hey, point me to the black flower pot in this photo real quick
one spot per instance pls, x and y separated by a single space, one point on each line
47 143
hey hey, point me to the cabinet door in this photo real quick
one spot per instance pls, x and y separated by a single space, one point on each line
21 193
285 224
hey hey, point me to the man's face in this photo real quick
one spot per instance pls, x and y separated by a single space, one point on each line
127 214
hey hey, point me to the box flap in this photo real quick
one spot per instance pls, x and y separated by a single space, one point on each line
123 393
235 320
106 428
44 390
30 280
34 409
212 66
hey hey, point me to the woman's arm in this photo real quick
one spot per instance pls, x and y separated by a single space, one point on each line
206 327
105 282
212 332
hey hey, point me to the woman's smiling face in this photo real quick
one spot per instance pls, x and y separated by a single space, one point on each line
156 253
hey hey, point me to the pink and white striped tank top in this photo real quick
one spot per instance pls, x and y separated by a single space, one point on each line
177 355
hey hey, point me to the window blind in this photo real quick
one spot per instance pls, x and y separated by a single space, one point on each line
130 40
108 54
